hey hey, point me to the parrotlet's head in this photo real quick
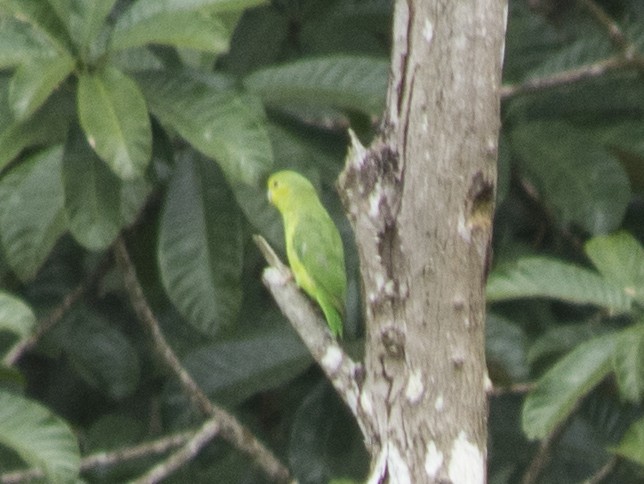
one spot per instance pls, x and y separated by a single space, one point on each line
287 188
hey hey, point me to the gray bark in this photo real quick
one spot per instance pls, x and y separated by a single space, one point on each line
421 202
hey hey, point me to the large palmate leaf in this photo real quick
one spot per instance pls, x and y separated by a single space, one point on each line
620 259
219 123
15 316
577 177
31 211
560 389
551 278
115 119
355 83
97 202
200 245
39 437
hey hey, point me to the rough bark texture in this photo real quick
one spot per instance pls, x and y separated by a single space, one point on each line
421 201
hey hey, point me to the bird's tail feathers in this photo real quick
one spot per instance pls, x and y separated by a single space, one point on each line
333 318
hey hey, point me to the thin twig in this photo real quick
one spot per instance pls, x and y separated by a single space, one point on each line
542 456
514 389
57 313
628 58
232 430
190 449
103 460
615 33
603 472
572 76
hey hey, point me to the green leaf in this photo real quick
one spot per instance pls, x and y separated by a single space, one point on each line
15 316
530 39
31 211
47 126
505 347
19 43
41 438
100 353
197 30
34 82
348 82
628 363
39 15
620 259
578 178
98 203
219 123
560 389
551 278
561 339
324 440
195 24
147 9
115 119
83 18
232 371
632 444
200 245
593 47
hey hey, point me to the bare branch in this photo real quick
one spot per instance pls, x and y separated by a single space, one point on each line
628 58
57 313
147 449
102 460
516 389
341 370
616 35
236 433
603 472
542 456
572 76
202 437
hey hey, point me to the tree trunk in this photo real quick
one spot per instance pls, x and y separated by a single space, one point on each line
421 201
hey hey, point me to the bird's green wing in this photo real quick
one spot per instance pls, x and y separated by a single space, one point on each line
318 246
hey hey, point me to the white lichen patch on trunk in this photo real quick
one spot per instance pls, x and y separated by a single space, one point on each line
415 388
466 462
391 464
433 460
332 358
397 466
463 229
428 31
276 277
366 404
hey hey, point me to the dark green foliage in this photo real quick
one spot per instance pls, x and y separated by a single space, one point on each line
161 121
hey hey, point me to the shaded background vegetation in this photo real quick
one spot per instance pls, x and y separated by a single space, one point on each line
155 124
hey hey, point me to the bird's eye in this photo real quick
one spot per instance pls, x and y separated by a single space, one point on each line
275 183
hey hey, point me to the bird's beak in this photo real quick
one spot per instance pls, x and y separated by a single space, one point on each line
270 198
